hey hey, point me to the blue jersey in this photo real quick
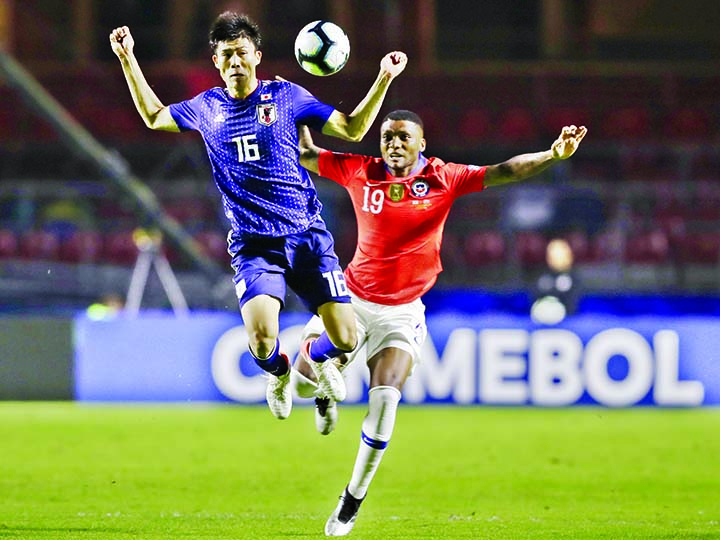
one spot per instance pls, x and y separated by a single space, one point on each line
253 149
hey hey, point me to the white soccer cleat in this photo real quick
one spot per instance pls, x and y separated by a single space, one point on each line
326 415
329 379
342 520
279 396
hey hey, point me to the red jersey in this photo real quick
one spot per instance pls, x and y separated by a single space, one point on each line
400 222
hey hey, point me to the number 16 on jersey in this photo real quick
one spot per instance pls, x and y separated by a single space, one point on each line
336 282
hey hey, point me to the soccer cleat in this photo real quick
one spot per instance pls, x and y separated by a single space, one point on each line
341 522
329 379
279 395
326 415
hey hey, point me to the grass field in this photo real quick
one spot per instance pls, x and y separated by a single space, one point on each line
70 471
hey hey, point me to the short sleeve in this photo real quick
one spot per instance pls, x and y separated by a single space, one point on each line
340 168
466 178
308 109
185 113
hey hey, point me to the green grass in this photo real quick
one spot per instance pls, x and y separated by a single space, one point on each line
72 471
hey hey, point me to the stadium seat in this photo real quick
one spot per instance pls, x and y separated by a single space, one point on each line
647 247
627 123
434 121
516 125
705 167
580 246
699 248
452 256
474 127
119 248
214 245
687 123
650 164
194 212
8 244
82 247
706 200
529 247
39 245
483 248
607 246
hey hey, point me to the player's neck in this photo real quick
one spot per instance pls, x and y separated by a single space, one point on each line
243 91
409 171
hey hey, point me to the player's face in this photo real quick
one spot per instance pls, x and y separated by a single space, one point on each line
401 142
236 60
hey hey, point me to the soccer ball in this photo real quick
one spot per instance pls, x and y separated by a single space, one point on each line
322 48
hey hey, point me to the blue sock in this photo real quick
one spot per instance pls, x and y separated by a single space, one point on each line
276 364
322 349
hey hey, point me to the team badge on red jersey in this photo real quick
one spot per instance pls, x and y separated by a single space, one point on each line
267 114
419 188
396 192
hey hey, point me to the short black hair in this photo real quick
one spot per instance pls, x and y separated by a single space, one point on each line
230 26
403 114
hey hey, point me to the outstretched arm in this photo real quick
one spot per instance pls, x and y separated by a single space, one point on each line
153 112
309 153
354 126
527 165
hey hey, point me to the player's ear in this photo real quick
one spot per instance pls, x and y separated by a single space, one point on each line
258 55
215 60
422 144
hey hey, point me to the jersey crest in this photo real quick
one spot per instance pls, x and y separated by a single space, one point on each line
419 188
396 192
267 114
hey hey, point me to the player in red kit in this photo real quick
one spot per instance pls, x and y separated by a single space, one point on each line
401 204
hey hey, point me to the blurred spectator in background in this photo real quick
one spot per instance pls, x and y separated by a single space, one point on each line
66 216
556 289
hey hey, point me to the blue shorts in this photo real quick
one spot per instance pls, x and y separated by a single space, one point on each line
306 262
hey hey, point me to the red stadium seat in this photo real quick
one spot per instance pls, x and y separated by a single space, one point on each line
452 255
120 248
8 244
580 246
699 248
82 247
530 247
474 126
628 123
190 211
607 246
647 247
688 123
214 245
39 245
516 125
483 248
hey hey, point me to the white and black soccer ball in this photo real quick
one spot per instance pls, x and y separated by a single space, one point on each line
322 48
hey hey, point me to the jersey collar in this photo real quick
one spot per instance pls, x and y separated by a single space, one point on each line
422 161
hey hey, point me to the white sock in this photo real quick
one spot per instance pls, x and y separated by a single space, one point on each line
377 429
304 387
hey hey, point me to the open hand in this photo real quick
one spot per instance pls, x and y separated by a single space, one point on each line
122 42
394 63
568 141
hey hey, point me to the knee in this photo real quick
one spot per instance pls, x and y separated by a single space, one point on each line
262 342
345 337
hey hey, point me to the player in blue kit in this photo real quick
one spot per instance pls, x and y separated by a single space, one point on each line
277 237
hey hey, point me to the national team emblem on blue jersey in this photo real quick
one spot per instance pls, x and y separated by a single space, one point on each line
267 114
419 188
